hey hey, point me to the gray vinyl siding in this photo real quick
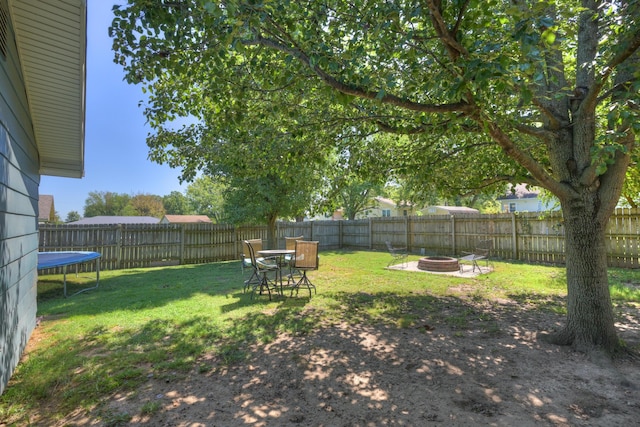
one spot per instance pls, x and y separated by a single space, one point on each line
19 181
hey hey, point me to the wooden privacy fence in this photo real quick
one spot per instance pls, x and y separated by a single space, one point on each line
528 237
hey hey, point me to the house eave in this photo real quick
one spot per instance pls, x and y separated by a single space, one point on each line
51 39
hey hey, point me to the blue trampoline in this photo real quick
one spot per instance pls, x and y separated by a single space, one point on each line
65 258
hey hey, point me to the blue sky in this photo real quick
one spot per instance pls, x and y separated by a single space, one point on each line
115 133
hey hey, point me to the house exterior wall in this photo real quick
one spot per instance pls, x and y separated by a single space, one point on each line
449 210
19 182
532 204
384 209
436 210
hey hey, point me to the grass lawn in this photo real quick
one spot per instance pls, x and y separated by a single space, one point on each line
161 321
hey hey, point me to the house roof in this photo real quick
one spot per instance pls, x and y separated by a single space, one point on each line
457 209
187 218
384 200
520 191
51 41
101 220
45 207
390 202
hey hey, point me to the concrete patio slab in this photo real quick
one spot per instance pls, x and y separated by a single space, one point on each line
467 270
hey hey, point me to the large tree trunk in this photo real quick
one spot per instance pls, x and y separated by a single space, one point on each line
590 322
271 232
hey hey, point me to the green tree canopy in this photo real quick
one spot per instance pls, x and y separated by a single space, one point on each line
271 178
72 216
176 203
145 205
100 203
354 195
265 170
205 197
631 190
486 92
107 203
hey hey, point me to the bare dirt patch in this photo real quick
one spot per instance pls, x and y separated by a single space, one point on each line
479 370
461 363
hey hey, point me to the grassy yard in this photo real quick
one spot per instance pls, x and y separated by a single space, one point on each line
162 321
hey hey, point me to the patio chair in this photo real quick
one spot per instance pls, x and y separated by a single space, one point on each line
398 255
290 244
245 258
482 251
262 267
305 259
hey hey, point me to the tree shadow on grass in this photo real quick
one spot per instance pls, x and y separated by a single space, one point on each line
373 344
375 360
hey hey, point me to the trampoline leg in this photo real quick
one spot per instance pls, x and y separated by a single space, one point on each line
97 280
64 280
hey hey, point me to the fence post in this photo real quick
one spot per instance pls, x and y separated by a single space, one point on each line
514 236
119 246
119 242
453 234
182 235
406 233
234 240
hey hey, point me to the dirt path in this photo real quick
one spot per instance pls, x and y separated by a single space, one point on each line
494 371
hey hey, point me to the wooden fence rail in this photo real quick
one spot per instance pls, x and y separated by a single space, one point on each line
528 237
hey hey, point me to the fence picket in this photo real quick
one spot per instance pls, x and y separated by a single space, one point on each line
529 237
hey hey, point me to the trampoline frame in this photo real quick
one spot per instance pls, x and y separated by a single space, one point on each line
47 260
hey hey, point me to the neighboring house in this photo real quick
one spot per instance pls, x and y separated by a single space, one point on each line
184 219
105 220
46 209
337 215
42 118
522 199
449 210
384 207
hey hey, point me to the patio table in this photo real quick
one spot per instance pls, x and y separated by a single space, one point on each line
279 253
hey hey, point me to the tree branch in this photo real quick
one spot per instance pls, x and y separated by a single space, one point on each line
539 133
632 45
463 8
454 48
334 83
546 110
384 127
524 159
617 87
612 180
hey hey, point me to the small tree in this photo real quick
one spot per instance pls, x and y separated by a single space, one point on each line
176 203
72 216
205 196
146 205
105 203
355 196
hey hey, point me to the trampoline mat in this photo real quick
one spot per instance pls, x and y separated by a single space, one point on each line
60 259
64 258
